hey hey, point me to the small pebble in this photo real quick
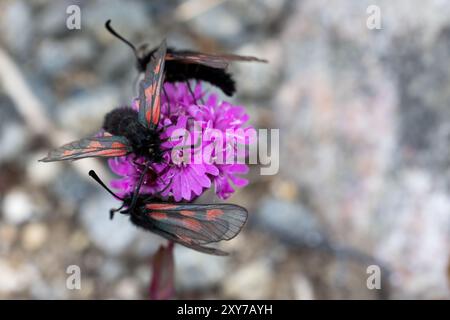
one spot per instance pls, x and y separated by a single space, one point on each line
17 207
34 236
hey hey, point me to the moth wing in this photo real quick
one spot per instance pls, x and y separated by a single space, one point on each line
195 225
150 89
219 61
104 146
188 244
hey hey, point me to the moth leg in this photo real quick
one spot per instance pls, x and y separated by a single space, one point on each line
190 90
201 97
113 211
159 193
162 130
139 165
167 99
166 187
138 188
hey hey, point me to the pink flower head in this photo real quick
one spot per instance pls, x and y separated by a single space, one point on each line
194 159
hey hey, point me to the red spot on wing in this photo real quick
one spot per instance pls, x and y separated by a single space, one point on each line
157 68
110 152
187 213
117 145
95 145
161 206
158 215
191 224
67 153
213 214
156 111
184 238
148 115
149 91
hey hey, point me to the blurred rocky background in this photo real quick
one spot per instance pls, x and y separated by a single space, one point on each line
364 123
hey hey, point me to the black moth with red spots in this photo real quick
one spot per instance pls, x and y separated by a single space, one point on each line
185 65
126 130
191 225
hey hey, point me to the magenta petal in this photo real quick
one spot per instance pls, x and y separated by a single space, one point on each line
120 166
185 187
238 181
170 90
176 188
212 169
200 175
236 168
195 184
198 90
223 188
212 100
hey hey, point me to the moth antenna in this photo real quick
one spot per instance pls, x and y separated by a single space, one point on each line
100 182
159 193
118 36
138 188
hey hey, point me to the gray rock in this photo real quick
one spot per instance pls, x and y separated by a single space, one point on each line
198 271
13 140
16 278
51 20
259 13
259 80
117 61
415 227
42 289
70 187
113 237
18 207
128 288
111 270
303 288
147 244
126 19
14 22
219 23
251 281
34 236
41 174
56 55
290 221
88 109
143 275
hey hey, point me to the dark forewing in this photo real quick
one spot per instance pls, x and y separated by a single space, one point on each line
105 146
219 61
150 89
198 224
187 243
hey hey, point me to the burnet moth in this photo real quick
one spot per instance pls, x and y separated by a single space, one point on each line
185 65
191 225
126 130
